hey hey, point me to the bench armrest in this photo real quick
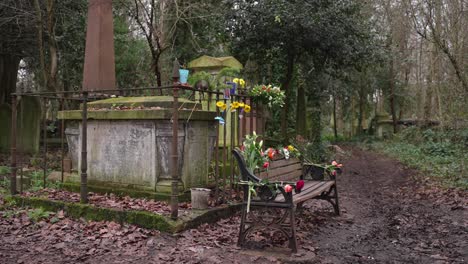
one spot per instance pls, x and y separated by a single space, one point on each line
268 191
317 170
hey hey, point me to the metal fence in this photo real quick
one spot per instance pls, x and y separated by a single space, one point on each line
239 124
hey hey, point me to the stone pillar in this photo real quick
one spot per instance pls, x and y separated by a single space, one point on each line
99 65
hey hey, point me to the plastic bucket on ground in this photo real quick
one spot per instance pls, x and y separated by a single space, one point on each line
200 198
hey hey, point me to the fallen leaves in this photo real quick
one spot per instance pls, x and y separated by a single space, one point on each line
110 201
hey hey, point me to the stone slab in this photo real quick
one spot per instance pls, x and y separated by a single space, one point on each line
146 101
184 115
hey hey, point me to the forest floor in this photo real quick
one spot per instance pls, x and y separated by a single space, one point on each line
389 215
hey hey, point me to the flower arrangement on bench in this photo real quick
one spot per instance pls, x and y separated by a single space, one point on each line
256 158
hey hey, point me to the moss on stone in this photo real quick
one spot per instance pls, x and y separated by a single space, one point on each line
199 217
146 101
140 218
152 114
75 187
89 212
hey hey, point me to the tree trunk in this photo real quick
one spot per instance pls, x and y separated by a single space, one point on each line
361 104
285 88
301 128
53 51
392 96
8 74
335 130
316 127
40 43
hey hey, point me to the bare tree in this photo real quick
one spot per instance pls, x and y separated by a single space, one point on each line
435 21
17 34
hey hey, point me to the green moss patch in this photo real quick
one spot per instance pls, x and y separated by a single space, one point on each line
89 212
139 218
146 101
152 114
75 187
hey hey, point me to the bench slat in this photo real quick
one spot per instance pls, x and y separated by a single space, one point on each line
279 171
284 162
291 176
301 197
311 189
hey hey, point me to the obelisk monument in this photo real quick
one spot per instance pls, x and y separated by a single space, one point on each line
99 64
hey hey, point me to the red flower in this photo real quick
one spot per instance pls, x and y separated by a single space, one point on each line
242 148
288 188
299 185
334 173
266 164
271 153
334 163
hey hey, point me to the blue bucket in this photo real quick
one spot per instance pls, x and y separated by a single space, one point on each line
183 75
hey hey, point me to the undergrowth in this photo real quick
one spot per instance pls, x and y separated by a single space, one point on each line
438 154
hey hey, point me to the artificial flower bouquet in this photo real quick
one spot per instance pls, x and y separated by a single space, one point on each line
268 94
233 107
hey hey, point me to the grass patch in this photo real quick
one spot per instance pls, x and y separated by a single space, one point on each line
441 155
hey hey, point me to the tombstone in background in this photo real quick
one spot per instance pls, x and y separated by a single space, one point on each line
28 125
382 125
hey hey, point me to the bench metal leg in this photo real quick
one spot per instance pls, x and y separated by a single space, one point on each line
279 223
292 238
242 232
331 197
336 206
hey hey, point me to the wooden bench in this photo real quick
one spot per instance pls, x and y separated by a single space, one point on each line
279 205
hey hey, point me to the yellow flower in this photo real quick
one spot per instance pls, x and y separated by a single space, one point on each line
235 105
247 108
290 148
236 80
223 107
242 83
220 104
241 105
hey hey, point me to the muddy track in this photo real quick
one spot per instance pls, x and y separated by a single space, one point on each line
389 219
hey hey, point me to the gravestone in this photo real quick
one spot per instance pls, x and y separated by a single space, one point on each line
28 125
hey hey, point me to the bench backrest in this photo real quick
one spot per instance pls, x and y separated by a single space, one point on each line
279 170
283 170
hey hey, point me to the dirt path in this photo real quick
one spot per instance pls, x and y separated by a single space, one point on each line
392 219
387 218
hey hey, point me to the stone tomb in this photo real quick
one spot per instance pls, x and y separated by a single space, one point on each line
130 148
